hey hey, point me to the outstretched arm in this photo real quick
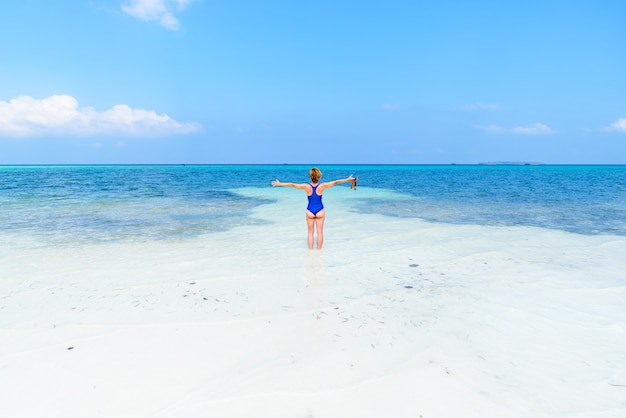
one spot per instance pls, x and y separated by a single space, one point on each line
285 184
330 184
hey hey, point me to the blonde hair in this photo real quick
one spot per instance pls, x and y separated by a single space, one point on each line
315 174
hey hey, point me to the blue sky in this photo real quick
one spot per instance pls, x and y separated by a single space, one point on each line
277 81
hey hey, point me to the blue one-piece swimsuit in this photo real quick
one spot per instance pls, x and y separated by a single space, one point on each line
315 202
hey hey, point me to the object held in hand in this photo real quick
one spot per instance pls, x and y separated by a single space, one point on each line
353 185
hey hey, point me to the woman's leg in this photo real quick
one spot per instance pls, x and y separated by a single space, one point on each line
310 223
319 225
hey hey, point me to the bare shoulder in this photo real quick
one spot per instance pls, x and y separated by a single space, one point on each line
303 186
324 186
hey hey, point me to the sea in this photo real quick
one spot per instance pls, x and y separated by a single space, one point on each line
77 204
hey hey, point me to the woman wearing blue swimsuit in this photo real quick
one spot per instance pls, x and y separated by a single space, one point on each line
315 209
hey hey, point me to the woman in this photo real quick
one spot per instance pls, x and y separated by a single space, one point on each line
315 210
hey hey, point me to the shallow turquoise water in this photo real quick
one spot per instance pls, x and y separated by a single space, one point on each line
108 203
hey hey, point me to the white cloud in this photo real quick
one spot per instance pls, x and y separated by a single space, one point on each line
480 106
534 129
60 115
493 129
390 106
619 126
161 10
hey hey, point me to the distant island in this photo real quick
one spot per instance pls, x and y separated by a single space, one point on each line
511 163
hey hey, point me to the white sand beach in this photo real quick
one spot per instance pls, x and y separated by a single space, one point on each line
393 318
